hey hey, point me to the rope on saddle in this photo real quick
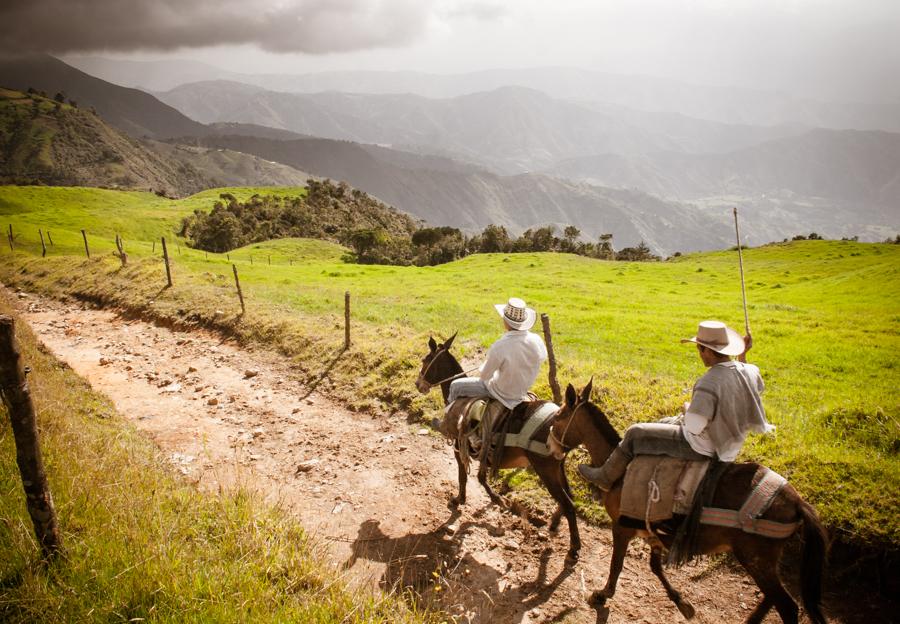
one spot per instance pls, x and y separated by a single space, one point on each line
652 497
684 546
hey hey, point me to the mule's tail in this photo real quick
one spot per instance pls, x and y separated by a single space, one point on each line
815 546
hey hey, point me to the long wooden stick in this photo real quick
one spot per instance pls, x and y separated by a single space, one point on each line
551 356
737 233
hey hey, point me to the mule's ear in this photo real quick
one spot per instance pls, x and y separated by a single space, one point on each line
432 344
450 340
586 391
571 396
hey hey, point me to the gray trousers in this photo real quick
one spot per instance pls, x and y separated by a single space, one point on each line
467 387
640 439
657 439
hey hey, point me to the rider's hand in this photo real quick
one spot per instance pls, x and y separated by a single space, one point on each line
748 344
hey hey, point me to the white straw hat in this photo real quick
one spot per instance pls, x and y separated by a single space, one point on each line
718 337
516 313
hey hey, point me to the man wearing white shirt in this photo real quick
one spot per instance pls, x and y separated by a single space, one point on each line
512 363
725 406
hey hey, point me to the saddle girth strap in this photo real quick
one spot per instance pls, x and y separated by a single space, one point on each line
747 518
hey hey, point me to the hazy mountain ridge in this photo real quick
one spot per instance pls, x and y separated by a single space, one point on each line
847 166
731 105
475 199
509 129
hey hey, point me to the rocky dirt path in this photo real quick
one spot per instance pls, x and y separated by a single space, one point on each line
372 490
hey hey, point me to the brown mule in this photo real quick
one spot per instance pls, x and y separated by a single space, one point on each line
439 368
580 422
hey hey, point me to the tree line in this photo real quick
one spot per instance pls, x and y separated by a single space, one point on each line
375 232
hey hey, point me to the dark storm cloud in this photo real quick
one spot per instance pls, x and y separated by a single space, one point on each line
312 26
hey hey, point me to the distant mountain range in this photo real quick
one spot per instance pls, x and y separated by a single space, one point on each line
674 179
509 130
476 198
730 105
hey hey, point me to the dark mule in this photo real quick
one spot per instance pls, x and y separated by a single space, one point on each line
580 422
439 367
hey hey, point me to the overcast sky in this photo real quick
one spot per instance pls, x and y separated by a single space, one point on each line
836 49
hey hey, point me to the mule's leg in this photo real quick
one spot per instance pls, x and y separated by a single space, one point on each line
483 480
553 476
621 538
459 499
675 596
760 556
557 515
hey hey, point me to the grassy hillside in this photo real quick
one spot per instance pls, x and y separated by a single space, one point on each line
44 142
824 314
139 544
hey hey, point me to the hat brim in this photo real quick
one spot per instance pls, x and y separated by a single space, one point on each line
528 323
735 344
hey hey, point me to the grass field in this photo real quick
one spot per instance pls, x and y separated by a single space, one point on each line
140 544
825 319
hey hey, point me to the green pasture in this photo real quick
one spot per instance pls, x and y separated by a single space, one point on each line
824 314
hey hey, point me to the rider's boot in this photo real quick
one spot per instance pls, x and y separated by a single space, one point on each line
605 476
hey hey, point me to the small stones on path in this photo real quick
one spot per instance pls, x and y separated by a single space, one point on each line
213 401
307 465
250 373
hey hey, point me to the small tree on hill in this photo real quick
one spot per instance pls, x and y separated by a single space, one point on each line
605 247
59 97
494 239
570 236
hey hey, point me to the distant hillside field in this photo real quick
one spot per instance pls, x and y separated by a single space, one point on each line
47 142
824 314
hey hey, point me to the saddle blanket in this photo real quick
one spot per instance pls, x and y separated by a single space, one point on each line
465 416
657 486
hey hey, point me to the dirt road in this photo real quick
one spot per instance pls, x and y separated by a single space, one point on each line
372 490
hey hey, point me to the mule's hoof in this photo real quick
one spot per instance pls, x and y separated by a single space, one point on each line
456 501
686 610
571 558
597 599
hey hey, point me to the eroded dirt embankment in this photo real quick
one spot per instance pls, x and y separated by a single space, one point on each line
372 490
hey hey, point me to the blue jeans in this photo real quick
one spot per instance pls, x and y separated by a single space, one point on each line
467 387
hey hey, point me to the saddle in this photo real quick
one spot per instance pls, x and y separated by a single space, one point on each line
483 427
658 487
660 491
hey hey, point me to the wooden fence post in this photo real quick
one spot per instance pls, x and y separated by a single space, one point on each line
43 246
86 250
251 260
50 238
9 237
166 259
121 247
18 401
551 359
237 283
154 247
346 320
270 260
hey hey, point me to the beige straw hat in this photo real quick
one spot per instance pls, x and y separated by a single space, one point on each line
718 337
516 313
